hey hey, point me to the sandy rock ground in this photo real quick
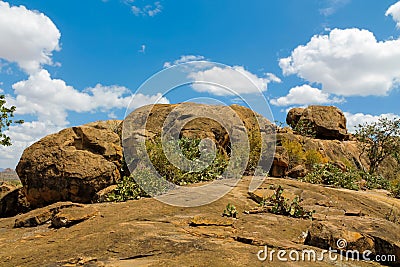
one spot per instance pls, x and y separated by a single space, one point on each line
147 232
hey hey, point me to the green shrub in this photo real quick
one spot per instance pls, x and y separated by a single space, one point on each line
230 211
295 152
191 151
305 128
151 184
395 189
254 153
375 181
127 189
281 206
141 183
329 174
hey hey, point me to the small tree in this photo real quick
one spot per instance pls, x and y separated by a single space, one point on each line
5 121
378 140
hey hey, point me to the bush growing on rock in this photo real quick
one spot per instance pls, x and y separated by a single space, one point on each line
131 187
313 157
230 211
329 174
297 154
375 181
395 189
278 204
305 128
191 151
143 182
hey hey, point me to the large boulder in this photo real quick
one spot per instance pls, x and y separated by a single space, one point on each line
356 234
293 116
328 122
221 124
71 165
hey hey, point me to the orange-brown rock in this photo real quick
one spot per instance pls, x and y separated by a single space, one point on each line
42 215
344 154
328 122
5 188
71 165
13 203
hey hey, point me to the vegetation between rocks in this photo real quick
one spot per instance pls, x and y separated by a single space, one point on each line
297 155
198 164
329 174
305 128
128 188
278 204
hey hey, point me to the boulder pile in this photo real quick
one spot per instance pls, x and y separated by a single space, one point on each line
77 163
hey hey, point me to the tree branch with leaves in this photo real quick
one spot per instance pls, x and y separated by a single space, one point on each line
6 115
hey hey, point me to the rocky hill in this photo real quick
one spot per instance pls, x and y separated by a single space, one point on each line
65 174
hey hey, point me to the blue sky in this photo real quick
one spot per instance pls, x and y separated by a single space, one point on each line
65 63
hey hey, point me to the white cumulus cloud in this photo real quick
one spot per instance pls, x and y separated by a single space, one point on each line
51 99
353 120
27 37
349 62
394 11
236 79
305 95
23 136
183 59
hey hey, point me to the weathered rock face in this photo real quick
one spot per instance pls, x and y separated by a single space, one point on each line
71 165
5 189
13 203
294 115
359 237
199 121
280 164
297 172
328 122
341 153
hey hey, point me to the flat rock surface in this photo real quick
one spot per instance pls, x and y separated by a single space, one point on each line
147 232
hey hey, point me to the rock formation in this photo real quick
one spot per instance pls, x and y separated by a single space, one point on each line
71 165
13 203
327 122
222 124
